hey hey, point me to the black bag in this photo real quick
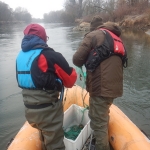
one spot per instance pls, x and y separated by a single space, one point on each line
97 55
102 52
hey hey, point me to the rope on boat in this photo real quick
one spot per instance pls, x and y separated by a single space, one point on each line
82 77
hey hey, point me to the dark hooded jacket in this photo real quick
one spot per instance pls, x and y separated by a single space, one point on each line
107 79
49 65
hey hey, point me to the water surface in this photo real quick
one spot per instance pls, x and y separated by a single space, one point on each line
135 102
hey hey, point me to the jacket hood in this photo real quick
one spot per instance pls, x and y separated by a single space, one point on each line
112 27
96 21
36 29
32 42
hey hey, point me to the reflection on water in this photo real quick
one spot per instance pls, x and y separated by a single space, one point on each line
135 102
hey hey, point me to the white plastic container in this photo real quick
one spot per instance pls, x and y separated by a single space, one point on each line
73 116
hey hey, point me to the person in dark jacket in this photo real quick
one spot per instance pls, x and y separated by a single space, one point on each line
104 81
42 73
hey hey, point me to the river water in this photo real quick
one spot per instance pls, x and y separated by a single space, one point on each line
135 102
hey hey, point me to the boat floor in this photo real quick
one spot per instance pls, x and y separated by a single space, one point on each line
92 147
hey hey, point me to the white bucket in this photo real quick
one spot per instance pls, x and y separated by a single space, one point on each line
73 116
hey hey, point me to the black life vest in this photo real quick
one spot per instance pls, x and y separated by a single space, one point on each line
112 45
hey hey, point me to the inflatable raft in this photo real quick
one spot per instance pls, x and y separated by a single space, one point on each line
123 133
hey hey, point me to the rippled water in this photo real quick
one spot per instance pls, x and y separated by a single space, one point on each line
135 102
136 99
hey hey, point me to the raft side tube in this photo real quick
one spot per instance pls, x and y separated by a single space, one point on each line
123 133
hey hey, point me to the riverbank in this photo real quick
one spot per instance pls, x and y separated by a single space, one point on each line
11 22
136 22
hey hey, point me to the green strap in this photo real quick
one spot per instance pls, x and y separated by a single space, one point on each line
81 74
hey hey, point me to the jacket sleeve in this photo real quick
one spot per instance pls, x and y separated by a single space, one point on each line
80 56
66 73
54 62
68 78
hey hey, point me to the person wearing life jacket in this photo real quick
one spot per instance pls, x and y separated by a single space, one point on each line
42 73
104 69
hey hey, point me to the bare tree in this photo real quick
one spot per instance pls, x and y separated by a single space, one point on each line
80 8
5 12
93 6
22 14
76 6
